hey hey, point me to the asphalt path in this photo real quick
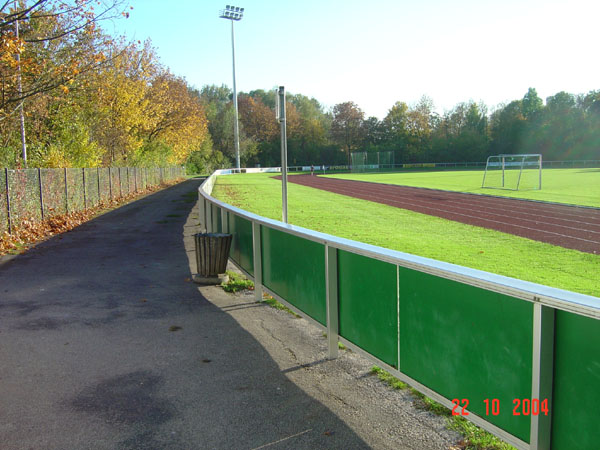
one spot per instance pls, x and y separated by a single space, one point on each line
105 343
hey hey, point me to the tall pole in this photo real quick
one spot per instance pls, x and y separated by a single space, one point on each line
20 92
236 129
234 13
280 114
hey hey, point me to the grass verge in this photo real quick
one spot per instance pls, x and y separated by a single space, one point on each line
474 438
415 233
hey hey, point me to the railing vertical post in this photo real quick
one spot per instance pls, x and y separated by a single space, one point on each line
8 201
398 311
120 185
39 171
542 370
331 294
257 253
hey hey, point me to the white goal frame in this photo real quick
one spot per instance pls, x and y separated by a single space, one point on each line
513 161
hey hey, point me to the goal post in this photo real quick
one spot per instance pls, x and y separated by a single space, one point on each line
513 172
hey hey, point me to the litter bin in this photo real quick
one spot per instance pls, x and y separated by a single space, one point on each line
212 253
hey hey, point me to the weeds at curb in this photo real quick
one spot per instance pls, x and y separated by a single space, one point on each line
239 283
474 438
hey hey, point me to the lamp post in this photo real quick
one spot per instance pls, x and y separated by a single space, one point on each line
280 116
234 13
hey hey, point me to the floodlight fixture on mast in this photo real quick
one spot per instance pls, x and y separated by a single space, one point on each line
234 13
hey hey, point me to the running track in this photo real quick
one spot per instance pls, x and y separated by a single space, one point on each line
566 226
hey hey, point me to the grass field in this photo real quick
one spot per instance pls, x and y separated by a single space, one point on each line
415 233
572 186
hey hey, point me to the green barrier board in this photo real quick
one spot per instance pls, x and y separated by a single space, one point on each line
294 268
469 344
217 226
241 243
576 395
368 305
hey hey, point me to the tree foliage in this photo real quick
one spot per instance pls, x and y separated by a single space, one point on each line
90 100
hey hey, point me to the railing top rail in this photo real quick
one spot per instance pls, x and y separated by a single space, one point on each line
581 304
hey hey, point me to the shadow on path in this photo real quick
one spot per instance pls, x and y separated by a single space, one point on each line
105 343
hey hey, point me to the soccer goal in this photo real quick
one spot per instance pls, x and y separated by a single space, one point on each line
513 172
372 161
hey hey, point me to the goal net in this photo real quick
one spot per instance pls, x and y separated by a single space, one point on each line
372 161
513 172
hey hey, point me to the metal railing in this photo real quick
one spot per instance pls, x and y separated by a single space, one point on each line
37 194
519 359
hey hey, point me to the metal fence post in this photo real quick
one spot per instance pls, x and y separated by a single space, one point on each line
41 192
257 253
8 201
98 175
542 371
109 184
84 196
66 193
331 294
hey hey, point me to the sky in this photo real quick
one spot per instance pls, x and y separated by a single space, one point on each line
376 52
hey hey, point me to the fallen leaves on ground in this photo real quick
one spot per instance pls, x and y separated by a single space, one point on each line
30 232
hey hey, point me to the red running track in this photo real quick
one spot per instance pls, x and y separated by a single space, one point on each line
566 226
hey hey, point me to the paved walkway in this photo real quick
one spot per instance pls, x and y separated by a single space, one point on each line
106 344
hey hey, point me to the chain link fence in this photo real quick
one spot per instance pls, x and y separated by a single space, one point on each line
37 194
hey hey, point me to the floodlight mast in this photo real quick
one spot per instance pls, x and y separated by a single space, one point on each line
234 13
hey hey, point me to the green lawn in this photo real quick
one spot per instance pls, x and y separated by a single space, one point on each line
415 233
573 186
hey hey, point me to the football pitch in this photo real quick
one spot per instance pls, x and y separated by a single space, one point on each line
570 186
425 235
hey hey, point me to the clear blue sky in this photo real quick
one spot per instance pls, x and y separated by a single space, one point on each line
378 52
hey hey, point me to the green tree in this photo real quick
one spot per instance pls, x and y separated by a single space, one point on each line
507 126
532 104
395 130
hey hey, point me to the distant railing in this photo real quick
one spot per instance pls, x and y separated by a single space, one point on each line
519 359
37 194
377 167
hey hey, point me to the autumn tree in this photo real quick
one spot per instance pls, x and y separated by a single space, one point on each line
53 44
120 91
419 126
175 118
347 127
